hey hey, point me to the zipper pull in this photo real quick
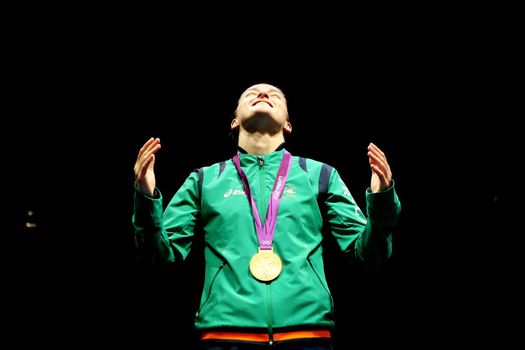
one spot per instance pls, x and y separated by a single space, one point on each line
261 161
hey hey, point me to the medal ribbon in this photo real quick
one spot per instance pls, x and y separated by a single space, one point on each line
265 233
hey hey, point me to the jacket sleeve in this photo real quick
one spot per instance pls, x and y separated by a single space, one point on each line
367 239
166 237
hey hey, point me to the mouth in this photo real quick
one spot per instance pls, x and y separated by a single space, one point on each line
262 101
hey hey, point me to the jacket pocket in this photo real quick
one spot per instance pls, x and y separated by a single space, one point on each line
211 276
323 283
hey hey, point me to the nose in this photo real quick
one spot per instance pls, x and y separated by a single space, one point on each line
263 94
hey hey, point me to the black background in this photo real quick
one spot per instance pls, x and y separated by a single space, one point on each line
83 95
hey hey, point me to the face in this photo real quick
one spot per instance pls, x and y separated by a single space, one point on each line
262 106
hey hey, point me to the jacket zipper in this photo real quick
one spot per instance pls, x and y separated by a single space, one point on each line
268 287
270 316
260 203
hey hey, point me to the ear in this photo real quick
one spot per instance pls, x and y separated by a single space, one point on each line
287 128
235 124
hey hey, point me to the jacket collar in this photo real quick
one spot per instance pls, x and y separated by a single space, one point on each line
272 158
280 147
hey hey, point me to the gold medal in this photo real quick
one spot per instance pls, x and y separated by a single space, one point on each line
265 265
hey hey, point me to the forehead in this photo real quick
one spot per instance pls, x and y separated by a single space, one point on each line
263 88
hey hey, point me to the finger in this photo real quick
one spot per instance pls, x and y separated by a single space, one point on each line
373 149
376 159
151 143
149 161
377 150
380 167
378 171
145 147
144 160
383 178
149 148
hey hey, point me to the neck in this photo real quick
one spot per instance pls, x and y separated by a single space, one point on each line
260 144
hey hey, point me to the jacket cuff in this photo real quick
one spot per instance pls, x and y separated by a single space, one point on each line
148 209
383 207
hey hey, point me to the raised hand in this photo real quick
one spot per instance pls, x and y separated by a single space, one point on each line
144 166
381 174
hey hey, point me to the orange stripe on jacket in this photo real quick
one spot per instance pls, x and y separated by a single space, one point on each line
263 337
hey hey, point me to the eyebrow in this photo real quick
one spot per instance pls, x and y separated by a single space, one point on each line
271 90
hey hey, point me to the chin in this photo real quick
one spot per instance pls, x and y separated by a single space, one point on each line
261 122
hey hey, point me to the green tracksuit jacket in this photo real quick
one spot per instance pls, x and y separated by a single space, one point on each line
231 296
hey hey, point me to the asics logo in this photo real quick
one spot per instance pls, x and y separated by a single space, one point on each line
232 192
289 191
